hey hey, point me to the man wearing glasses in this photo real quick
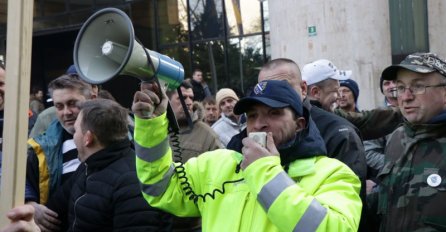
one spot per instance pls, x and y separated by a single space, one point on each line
413 180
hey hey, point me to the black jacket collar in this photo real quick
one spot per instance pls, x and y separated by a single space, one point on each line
108 155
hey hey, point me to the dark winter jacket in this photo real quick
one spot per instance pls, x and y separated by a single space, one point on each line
104 195
343 142
342 139
199 92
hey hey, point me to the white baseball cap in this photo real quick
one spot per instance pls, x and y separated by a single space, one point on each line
321 70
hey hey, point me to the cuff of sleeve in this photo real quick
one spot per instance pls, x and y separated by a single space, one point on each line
150 132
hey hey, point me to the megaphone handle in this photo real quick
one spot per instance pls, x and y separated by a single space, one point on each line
173 124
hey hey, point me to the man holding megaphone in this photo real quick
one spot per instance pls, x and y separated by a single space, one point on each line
288 185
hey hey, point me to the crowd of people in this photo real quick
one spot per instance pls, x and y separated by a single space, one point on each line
326 165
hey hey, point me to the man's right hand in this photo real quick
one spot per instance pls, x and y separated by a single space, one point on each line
253 151
22 220
45 218
147 103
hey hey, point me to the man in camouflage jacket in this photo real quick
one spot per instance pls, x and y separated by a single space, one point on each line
412 194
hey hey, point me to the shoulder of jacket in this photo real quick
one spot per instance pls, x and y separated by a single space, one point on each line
332 165
218 123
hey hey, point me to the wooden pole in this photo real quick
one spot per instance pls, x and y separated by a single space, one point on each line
17 84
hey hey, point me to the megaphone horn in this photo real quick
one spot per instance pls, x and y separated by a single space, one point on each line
106 47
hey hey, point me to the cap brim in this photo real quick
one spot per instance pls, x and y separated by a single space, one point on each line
244 104
390 72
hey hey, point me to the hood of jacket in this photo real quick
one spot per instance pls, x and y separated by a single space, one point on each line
198 111
307 143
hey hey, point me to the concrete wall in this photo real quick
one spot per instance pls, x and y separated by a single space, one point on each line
437 26
353 34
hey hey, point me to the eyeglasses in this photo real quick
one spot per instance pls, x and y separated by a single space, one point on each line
415 89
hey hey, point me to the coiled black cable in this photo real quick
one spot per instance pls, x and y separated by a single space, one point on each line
181 172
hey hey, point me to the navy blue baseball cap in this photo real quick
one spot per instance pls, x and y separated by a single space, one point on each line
273 93
71 70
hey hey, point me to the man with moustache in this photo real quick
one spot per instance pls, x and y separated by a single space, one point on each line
341 138
288 184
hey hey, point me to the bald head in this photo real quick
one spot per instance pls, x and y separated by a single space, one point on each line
284 69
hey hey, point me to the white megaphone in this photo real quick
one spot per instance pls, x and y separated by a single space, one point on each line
106 47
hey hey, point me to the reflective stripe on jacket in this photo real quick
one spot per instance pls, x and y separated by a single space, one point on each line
317 194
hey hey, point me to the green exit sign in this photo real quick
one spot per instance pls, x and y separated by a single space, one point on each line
312 31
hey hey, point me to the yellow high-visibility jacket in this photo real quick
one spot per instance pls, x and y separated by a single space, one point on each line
317 194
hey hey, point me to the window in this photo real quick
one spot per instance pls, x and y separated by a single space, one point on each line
409 28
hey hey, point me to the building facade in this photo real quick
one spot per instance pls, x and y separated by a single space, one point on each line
231 39
227 39
362 36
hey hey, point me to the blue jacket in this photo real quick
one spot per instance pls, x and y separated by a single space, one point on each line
41 181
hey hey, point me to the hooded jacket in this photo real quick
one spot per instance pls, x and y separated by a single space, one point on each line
315 194
196 141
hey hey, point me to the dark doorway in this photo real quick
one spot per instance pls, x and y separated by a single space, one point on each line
53 53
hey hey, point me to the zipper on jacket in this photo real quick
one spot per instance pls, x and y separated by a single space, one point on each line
77 200
247 211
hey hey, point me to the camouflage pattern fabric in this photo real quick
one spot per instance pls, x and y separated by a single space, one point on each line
376 123
412 194
419 63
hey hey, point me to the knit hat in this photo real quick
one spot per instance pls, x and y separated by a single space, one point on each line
417 62
353 86
224 93
273 93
